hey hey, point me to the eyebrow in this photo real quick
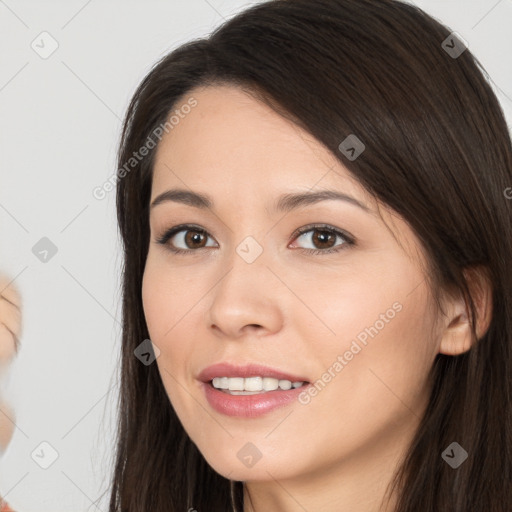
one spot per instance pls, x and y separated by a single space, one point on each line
285 203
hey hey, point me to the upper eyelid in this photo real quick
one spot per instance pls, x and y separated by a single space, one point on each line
296 233
304 229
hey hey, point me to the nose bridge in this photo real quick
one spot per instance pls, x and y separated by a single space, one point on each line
245 295
250 249
248 242
247 265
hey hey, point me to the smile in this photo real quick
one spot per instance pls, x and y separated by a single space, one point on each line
252 385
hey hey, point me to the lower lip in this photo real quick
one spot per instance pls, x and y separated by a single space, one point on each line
249 406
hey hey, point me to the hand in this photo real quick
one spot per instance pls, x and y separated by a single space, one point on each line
10 321
10 333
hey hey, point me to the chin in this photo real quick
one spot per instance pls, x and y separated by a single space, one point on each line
244 464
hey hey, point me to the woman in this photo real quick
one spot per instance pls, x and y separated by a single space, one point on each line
369 369
317 244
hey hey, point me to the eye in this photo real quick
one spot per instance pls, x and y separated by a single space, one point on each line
189 236
192 237
324 236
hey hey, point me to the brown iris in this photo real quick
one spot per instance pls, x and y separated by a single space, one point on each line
193 237
323 237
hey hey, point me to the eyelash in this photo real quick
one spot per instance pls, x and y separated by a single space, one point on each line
348 240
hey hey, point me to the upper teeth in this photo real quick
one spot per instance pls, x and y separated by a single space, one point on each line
253 383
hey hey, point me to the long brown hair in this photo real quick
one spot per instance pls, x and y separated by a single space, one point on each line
437 151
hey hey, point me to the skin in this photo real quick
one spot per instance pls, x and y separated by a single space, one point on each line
290 310
10 330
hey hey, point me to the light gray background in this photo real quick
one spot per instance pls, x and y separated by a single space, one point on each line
59 126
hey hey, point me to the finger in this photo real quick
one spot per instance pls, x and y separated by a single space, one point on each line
7 425
8 345
10 317
9 291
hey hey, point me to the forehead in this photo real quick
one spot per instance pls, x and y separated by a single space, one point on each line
244 156
231 141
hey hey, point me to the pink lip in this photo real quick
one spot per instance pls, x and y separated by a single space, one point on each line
248 406
250 370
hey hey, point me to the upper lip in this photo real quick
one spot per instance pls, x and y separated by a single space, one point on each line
248 370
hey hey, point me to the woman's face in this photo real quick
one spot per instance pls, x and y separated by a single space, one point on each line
355 320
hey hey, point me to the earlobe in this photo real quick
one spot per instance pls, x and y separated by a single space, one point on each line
457 337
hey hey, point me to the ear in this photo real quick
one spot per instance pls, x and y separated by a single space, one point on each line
457 337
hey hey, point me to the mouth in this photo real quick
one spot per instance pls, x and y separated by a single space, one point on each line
250 390
249 378
253 385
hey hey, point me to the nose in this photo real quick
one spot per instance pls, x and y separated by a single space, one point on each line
247 300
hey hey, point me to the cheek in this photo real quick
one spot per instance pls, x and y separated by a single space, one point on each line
168 300
348 305
167 297
380 361
379 298
377 344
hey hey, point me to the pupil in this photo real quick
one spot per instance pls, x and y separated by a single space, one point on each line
324 236
196 237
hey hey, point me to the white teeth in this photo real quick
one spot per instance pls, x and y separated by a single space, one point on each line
220 383
269 384
285 384
236 384
252 385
